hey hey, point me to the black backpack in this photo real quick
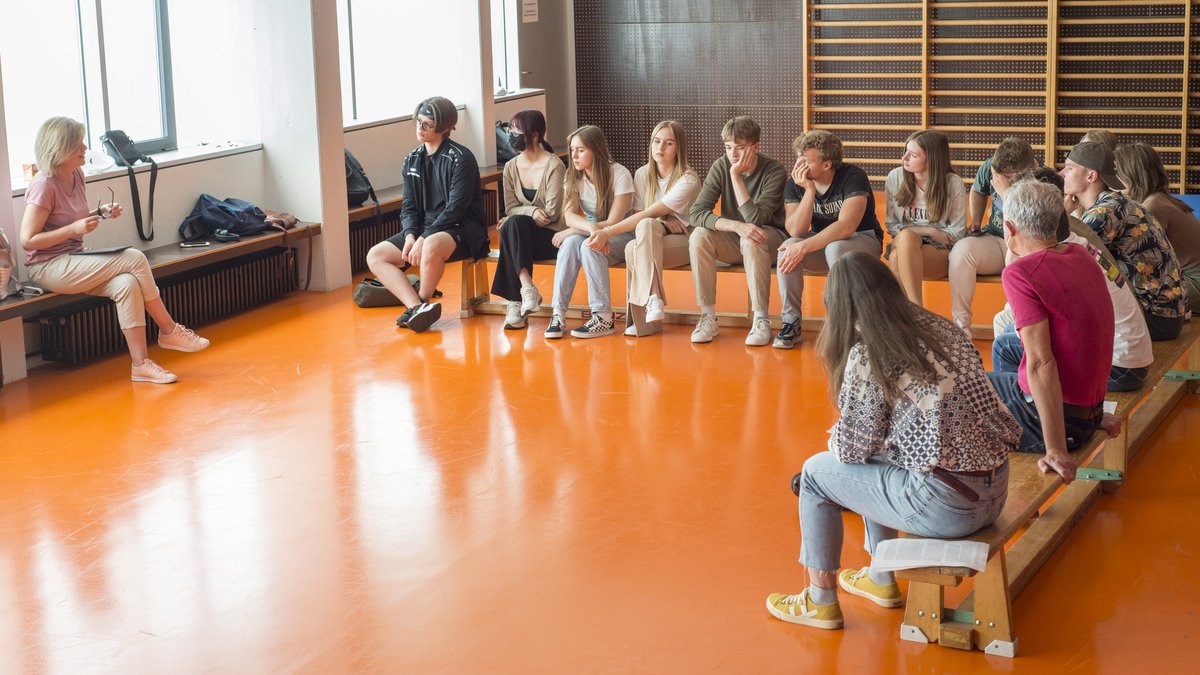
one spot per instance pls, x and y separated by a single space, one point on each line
358 186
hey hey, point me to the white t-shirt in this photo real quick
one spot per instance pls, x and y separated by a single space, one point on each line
622 185
1131 341
679 199
918 213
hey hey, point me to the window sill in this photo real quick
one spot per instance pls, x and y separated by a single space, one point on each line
199 153
519 94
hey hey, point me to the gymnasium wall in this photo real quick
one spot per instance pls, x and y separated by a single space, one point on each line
874 71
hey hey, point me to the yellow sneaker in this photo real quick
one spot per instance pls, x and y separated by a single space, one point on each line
800 609
859 583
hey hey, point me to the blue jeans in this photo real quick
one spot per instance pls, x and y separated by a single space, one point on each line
1007 351
573 255
889 498
1021 405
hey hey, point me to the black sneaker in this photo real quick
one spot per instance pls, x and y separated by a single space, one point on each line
402 320
597 326
788 337
424 316
556 329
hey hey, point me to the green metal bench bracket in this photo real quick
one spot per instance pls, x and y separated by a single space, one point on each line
1182 375
1098 474
960 616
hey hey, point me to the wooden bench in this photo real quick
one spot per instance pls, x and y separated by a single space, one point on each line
984 619
165 261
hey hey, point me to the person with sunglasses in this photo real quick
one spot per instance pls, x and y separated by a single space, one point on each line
52 229
442 215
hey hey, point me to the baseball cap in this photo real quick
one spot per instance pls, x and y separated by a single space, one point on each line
1097 157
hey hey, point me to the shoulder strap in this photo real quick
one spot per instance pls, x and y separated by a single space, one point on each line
146 234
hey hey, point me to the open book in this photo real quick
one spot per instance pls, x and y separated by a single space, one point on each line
903 554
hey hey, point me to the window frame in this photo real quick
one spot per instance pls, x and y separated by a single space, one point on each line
99 107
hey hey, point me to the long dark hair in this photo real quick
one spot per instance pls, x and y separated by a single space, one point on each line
864 303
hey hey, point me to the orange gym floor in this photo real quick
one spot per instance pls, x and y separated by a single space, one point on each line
324 493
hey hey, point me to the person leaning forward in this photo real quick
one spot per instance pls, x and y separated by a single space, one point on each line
748 229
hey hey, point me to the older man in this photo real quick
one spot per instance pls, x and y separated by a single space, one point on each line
1065 320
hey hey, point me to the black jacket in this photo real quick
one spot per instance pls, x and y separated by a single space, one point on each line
457 172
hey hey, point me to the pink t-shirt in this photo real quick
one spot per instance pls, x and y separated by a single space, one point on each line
1068 289
66 205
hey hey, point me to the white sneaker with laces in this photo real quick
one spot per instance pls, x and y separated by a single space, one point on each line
706 329
182 339
531 300
760 333
513 318
654 308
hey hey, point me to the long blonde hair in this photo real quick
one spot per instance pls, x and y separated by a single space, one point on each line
937 166
57 139
680 169
602 174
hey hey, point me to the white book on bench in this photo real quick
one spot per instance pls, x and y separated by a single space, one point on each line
905 554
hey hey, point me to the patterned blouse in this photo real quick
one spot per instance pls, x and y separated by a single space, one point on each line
1143 252
957 423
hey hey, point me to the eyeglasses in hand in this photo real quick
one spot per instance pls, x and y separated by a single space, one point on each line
100 209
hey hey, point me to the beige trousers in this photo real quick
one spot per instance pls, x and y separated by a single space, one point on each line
706 248
970 257
125 277
653 250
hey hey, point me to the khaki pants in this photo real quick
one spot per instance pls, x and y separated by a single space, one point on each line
125 277
653 251
708 247
970 257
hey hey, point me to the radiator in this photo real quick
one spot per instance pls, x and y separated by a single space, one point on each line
88 329
365 233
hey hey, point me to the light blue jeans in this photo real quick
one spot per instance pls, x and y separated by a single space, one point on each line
573 255
889 498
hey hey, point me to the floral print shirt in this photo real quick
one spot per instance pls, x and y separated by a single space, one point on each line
1143 252
958 423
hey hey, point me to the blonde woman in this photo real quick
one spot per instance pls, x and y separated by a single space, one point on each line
926 211
598 194
52 230
533 183
664 189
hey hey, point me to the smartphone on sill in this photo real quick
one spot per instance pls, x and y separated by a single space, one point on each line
194 244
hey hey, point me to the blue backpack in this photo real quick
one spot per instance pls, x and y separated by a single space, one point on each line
210 214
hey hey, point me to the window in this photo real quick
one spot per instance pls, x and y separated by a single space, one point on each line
506 68
105 62
394 54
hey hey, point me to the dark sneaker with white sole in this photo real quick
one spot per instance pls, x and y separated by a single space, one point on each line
424 316
597 326
789 336
556 329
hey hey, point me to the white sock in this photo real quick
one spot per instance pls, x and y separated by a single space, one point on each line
760 315
822 596
710 310
607 316
881 578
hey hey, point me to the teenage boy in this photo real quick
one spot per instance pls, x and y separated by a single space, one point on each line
983 251
747 230
830 211
1133 236
442 215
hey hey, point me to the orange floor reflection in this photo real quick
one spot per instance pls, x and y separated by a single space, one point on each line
322 493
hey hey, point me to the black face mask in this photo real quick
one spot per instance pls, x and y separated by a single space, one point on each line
517 141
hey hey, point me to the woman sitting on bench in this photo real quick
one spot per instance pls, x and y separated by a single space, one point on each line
52 229
921 446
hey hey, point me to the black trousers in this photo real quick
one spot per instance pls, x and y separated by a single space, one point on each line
521 243
1163 327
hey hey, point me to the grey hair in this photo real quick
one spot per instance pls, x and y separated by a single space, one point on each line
1035 208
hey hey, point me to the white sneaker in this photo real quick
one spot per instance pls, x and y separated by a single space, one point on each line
149 371
531 300
630 331
760 333
513 318
706 328
654 309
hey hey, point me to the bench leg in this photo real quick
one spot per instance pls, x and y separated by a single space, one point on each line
993 609
923 612
12 350
473 291
1116 456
